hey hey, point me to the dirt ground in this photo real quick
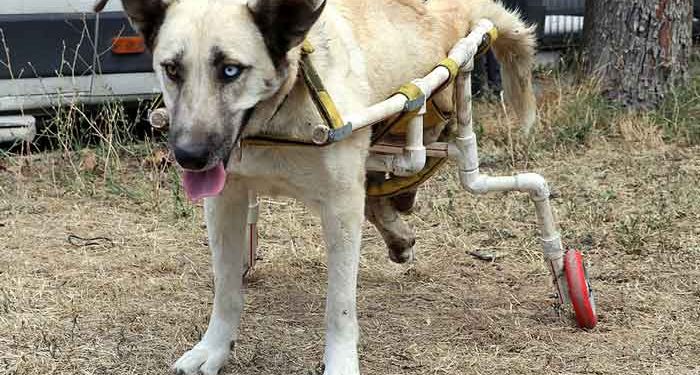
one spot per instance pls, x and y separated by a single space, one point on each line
133 302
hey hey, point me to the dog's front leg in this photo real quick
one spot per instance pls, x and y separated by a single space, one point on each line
342 224
226 220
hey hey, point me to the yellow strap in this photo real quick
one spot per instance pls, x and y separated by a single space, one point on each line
489 38
307 48
493 34
452 66
322 99
327 102
411 91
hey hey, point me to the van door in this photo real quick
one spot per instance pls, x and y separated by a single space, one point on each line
59 49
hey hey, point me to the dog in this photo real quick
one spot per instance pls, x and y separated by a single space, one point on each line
229 70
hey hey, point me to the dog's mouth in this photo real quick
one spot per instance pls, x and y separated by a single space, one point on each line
204 184
210 182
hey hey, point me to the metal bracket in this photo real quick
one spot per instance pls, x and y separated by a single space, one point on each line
323 135
340 133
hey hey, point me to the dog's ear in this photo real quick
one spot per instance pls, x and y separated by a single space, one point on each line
285 23
147 17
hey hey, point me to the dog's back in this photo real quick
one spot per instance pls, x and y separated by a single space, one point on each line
405 39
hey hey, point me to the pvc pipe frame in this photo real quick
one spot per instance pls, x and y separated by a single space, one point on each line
251 233
465 150
408 160
413 157
534 184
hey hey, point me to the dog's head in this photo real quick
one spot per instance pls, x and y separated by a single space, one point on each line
217 60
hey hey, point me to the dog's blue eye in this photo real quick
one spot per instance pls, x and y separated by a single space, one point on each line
231 72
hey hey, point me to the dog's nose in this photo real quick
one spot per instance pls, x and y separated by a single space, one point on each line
194 156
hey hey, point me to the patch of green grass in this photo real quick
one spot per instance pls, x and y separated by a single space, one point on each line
182 208
116 188
574 111
587 115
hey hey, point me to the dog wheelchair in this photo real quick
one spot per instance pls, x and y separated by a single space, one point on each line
410 162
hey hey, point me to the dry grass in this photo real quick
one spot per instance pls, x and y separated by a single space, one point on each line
134 307
133 304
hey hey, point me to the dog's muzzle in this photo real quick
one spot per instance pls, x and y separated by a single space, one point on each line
204 160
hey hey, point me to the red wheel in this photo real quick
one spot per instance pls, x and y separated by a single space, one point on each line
580 292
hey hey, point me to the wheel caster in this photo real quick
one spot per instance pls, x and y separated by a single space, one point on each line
580 292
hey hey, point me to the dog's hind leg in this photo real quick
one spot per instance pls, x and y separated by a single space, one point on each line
384 214
342 225
226 223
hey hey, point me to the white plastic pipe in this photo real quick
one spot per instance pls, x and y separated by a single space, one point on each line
535 185
395 104
382 156
251 233
159 119
465 50
409 159
413 158
434 80
377 112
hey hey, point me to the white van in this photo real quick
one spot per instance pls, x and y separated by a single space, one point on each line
58 52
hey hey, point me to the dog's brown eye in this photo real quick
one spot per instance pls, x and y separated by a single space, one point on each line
172 71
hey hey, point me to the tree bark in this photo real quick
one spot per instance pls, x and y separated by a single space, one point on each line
639 49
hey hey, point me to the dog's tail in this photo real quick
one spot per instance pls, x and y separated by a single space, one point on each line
515 51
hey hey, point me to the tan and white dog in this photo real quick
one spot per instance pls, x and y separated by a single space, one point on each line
229 70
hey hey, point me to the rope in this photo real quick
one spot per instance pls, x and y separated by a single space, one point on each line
78 241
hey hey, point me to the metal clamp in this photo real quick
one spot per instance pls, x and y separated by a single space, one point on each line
323 135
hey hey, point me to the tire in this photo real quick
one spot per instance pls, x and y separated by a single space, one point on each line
580 291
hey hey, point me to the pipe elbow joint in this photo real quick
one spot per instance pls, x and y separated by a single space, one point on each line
474 182
535 185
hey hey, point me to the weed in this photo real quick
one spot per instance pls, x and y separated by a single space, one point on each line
182 207
679 114
588 114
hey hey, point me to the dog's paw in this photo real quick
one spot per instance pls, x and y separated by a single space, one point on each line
342 362
202 360
403 256
349 369
403 252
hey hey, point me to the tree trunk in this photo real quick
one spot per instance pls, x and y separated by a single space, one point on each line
638 48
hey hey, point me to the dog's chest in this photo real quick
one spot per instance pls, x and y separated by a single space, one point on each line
279 170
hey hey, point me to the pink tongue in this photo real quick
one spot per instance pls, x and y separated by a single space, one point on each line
205 184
